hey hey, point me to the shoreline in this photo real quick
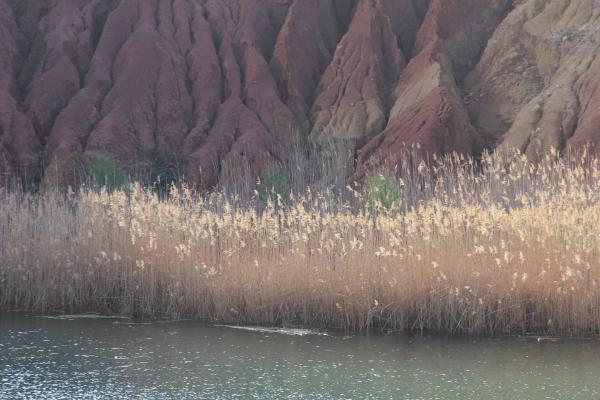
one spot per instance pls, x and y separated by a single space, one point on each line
292 330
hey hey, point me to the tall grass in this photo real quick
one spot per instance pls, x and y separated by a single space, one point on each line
497 247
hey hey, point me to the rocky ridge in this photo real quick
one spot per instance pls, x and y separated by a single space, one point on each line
198 85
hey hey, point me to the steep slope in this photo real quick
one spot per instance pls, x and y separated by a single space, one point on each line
352 100
536 82
305 47
19 146
199 87
428 112
427 108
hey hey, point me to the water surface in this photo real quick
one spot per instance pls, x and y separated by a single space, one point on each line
88 358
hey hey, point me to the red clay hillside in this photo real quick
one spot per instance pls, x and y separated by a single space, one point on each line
211 82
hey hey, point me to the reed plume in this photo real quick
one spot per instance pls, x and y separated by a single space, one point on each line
502 246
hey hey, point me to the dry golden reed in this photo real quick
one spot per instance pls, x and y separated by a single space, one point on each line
501 247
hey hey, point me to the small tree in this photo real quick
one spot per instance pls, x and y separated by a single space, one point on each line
105 172
381 191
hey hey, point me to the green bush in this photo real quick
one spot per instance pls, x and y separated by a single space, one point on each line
381 191
274 183
105 172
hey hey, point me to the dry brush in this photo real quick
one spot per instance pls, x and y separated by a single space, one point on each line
497 247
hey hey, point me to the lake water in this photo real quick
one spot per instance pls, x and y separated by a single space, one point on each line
86 358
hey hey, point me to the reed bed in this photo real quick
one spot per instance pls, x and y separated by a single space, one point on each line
500 246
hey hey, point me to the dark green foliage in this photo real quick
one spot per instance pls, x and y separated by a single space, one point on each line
274 184
381 191
105 172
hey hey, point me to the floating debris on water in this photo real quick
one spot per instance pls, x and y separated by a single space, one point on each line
82 316
280 331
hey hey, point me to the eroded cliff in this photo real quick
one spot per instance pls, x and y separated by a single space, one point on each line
207 83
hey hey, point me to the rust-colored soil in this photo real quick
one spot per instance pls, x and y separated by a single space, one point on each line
205 83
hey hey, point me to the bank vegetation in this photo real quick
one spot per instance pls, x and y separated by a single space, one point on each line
490 247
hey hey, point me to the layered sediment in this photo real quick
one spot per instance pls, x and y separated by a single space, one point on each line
197 86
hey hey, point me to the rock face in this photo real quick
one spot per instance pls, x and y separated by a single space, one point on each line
199 86
540 91
353 92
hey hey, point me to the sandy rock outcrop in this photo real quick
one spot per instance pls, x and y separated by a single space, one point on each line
535 84
428 108
464 26
428 115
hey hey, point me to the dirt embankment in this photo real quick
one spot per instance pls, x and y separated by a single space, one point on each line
202 84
